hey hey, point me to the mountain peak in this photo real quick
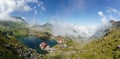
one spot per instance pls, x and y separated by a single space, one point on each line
13 19
18 19
47 25
115 23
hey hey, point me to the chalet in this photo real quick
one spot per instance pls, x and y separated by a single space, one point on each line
60 40
43 45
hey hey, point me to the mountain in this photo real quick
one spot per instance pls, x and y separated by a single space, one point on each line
80 32
11 48
18 27
17 23
19 19
43 28
101 30
14 19
105 47
115 24
101 41
76 32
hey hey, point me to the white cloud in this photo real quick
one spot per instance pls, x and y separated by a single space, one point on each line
103 17
9 6
70 7
35 12
43 8
32 23
66 29
112 18
113 10
31 1
109 9
77 5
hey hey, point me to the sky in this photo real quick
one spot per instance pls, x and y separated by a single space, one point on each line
76 12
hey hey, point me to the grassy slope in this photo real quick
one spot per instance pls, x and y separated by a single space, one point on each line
9 47
8 53
103 48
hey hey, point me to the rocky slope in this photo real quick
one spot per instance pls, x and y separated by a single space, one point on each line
11 48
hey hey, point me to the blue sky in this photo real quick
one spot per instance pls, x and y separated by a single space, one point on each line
76 12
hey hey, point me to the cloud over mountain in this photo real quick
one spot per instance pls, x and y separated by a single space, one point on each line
103 17
9 6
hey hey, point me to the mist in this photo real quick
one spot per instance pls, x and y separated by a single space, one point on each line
85 32
73 31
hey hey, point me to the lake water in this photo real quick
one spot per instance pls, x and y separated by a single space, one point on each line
33 42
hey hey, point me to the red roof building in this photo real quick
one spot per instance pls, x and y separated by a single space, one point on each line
43 45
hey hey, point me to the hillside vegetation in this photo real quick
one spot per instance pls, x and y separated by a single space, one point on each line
12 37
106 47
103 48
11 48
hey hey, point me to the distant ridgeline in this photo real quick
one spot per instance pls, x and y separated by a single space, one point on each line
14 33
115 24
17 22
105 47
14 40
